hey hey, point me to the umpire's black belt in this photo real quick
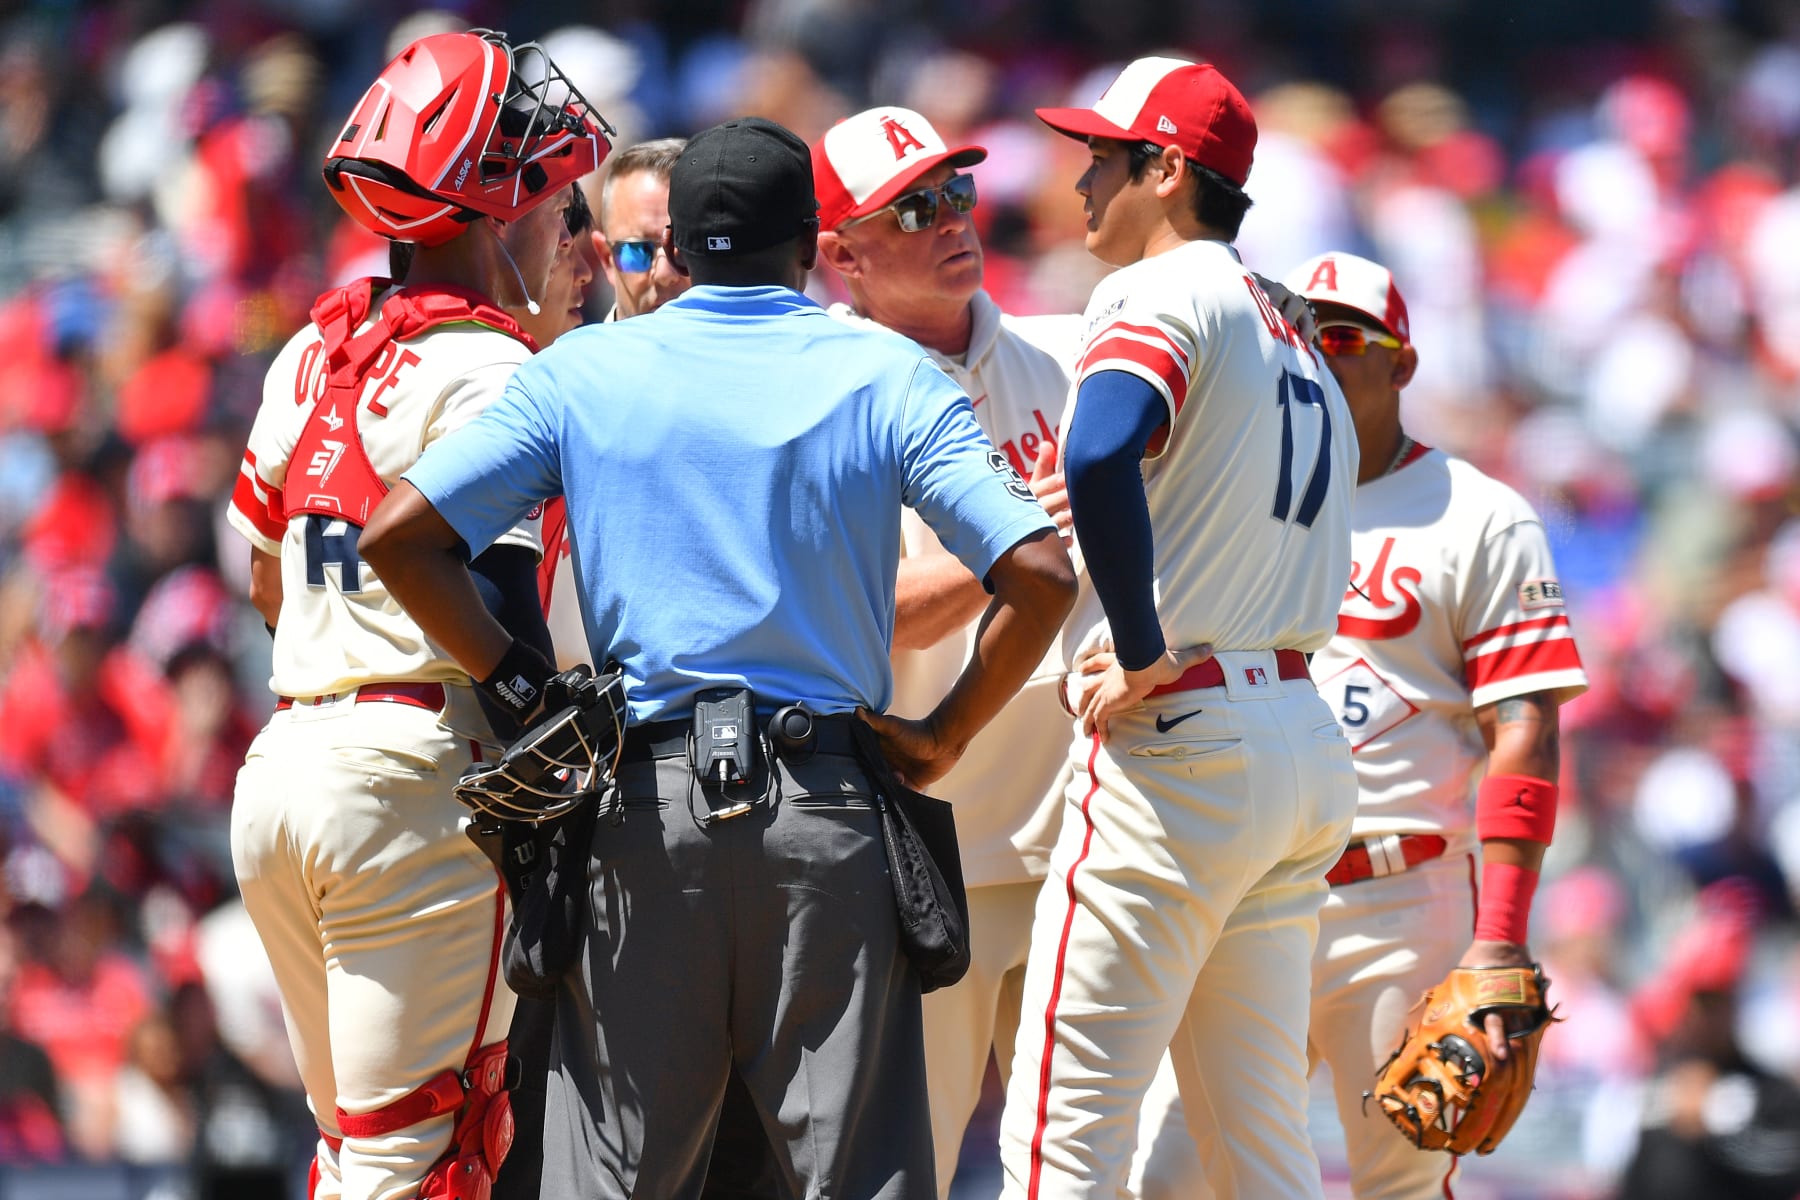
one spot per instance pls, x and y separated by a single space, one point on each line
669 739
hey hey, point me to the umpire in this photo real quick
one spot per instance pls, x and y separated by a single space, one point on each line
737 529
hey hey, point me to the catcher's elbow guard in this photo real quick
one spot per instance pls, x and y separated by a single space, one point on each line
1515 806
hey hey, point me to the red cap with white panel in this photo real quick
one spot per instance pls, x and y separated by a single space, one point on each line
864 161
1354 283
1170 102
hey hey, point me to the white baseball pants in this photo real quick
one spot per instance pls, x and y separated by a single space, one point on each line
382 920
1382 943
981 1011
1180 915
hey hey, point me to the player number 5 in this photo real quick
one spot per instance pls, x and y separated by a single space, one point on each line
1297 389
1355 711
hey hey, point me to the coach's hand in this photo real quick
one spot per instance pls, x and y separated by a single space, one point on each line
912 747
1496 954
1121 691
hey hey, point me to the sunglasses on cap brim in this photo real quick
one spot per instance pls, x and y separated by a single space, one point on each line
918 211
1353 341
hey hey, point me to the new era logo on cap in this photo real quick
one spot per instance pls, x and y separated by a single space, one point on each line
1170 102
864 161
1354 283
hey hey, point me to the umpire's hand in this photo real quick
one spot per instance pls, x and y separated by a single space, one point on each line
913 748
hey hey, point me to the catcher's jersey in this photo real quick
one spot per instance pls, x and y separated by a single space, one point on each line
1007 785
1453 605
339 628
1250 491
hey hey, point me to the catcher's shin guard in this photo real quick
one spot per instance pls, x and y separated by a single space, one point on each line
479 1139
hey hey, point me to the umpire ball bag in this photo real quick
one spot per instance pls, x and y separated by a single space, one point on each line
919 834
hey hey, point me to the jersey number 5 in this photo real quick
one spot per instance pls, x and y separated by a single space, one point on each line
1297 389
333 540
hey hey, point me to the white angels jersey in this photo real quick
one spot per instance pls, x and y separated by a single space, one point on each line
1006 787
1250 491
1453 604
338 627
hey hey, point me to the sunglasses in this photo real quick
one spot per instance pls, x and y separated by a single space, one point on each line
918 211
635 257
1352 341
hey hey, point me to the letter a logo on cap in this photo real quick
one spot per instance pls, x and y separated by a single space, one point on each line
1324 277
900 137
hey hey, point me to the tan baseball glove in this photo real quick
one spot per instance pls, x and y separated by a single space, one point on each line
1440 1088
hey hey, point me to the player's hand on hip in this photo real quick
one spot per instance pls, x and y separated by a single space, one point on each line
1496 954
1121 691
912 747
1048 486
1084 676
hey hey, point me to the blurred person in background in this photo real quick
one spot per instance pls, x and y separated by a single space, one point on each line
31 1101
81 997
1714 1123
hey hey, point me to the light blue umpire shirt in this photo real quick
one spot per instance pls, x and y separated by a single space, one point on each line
734 465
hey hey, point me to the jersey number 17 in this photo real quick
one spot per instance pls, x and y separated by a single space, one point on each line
1299 390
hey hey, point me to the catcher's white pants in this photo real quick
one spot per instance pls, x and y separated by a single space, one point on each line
980 1011
382 920
1180 915
1382 943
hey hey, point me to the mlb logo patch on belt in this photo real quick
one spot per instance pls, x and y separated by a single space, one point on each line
1256 677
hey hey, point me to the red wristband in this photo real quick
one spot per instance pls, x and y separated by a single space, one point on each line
1503 913
1515 806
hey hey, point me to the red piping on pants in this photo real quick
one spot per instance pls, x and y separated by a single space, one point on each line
1056 978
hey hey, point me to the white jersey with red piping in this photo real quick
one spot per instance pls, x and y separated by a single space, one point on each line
1249 555
1454 604
338 627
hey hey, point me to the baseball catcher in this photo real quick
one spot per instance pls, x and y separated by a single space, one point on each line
1446 1086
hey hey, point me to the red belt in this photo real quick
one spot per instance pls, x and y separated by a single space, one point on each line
1359 859
1289 664
419 695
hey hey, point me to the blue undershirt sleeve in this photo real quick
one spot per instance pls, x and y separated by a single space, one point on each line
1115 415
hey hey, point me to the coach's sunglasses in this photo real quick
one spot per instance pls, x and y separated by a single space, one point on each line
918 211
1352 341
634 257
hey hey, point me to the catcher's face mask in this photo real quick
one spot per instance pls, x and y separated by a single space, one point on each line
560 760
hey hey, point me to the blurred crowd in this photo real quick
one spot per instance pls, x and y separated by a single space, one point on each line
1594 212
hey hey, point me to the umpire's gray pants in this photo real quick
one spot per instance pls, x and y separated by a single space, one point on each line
769 939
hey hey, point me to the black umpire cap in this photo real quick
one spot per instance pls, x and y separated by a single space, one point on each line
741 187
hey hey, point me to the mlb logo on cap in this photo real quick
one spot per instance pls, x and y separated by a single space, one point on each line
864 161
1354 283
1170 102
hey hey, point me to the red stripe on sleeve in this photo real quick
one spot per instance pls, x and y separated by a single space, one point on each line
1151 331
1158 361
268 519
1515 662
1500 631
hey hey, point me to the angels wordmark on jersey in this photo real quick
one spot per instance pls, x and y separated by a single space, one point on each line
1453 605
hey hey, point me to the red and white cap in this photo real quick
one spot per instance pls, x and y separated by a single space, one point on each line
1170 102
1357 284
864 161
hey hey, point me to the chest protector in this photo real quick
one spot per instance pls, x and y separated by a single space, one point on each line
337 480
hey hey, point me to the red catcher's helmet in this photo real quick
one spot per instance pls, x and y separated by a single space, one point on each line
458 127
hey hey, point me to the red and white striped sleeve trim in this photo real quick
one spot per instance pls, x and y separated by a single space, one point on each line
258 506
1515 659
1147 351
